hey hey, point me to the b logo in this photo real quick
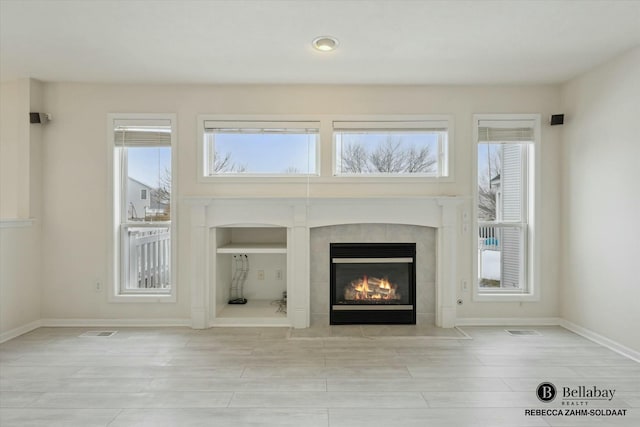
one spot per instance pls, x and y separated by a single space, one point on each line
546 392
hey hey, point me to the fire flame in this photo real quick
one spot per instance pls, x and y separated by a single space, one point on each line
371 288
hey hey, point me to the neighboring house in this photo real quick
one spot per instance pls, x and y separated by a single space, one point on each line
138 199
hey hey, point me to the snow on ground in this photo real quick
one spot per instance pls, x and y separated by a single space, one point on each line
490 264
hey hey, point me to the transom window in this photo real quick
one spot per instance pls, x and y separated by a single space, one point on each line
391 148
272 148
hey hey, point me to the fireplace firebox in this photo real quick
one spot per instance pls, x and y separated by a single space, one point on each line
373 283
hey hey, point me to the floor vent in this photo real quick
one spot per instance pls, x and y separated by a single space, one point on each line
521 332
99 334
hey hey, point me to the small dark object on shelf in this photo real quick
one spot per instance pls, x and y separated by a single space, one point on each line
241 263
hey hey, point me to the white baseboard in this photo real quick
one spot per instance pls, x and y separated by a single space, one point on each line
508 321
602 340
93 323
258 322
21 330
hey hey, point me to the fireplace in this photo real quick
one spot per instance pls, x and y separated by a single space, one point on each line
373 283
307 261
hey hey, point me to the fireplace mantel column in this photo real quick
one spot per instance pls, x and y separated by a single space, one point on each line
199 253
447 275
298 264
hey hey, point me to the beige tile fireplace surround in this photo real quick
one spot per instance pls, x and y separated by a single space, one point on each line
308 226
423 237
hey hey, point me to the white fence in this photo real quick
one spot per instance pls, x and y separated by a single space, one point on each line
489 238
149 258
501 255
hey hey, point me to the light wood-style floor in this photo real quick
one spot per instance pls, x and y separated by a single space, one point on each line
264 377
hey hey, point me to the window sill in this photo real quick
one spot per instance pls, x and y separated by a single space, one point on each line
137 298
506 297
316 179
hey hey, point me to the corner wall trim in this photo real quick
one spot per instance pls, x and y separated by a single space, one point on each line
602 340
17 222
21 330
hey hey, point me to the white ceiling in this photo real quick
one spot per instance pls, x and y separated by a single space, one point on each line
268 41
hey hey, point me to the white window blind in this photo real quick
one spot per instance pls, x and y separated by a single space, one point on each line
258 127
392 126
505 131
142 133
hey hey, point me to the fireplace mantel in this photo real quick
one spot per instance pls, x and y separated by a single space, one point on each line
299 216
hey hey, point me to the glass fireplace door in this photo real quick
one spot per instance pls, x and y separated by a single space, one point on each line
372 281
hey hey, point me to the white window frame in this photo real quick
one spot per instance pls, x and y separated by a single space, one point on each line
115 231
398 122
258 177
145 192
531 204
326 151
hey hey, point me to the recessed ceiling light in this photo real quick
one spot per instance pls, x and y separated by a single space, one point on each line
325 43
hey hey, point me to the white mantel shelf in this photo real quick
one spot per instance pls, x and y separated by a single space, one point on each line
253 248
299 216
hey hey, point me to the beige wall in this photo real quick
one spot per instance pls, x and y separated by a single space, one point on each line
75 175
19 277
601 203
21 187
14 149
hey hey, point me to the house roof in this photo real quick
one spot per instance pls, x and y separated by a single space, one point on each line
140 182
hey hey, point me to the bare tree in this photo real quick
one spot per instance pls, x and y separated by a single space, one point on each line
161 196
389 157
420 160
486 203
354 158
222 164
487 209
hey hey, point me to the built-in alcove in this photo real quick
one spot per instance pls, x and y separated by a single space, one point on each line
250 274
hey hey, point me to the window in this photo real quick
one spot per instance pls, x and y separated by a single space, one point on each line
505 195
143 200
250 148
391 148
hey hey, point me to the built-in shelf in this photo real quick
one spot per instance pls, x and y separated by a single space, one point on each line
253 248
263 283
